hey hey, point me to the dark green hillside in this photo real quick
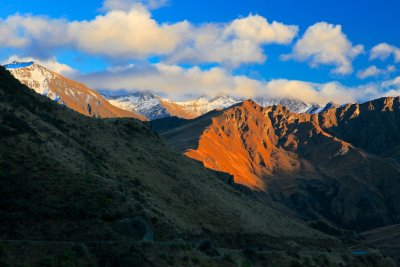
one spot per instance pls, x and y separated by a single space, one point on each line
78 191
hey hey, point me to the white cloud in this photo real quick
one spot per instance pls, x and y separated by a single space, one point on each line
321 93
127 31
234 43
109 5
33 34
383 50
132 34
172 80
257 29
393 87
207 45
7 34
374 71
177 82
129 34
326 44
51 64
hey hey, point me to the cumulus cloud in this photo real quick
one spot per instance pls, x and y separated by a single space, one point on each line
109 5
234 43
172 80
321 93
7 36
35 35
132 34
259 30
51 64
326 44
383 50
176 82
374 71
127 31
393 87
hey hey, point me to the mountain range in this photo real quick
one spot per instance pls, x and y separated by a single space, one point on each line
154 107
211 181
78 191
140 104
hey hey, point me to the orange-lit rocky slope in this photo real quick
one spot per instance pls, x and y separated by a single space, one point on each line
321 165
66 91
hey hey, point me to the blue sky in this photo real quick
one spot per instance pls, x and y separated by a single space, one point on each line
285 52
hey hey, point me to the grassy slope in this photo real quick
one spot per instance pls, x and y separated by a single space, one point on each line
66 177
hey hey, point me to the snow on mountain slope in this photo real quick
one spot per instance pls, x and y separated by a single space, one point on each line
315 109
154 107
145 103
202 105
65 91
35 77
294 105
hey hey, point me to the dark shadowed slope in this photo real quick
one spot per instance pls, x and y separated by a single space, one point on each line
66 177
385 238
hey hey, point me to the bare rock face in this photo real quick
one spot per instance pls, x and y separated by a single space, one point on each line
65 91
329 167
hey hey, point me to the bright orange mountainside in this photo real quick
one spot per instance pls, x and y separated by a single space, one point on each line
328 164
71 93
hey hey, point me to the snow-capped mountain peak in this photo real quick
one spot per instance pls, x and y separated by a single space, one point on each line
315 109
142 102
65 91
34 76
294 105
154 107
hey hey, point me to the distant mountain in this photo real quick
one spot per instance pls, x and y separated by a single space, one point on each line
315 109
144 103
65 91
294 105
204 104
340 166
154 107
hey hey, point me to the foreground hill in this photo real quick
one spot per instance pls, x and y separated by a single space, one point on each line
66 91
307 162
80 191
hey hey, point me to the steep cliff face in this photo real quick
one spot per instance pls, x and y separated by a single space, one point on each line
308 162
373 126
66 91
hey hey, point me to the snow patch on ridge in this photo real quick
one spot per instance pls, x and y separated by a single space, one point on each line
151 106
33 75
144 103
